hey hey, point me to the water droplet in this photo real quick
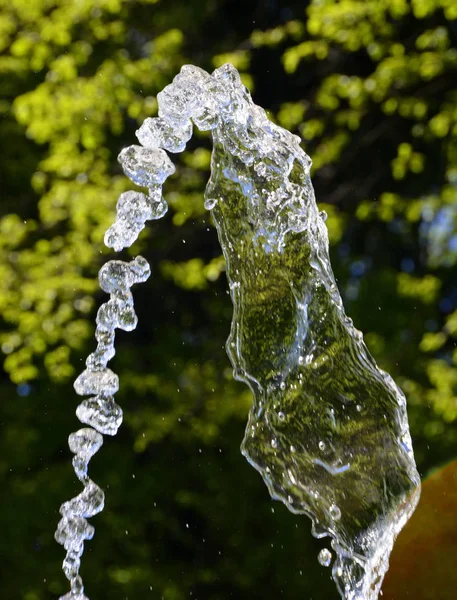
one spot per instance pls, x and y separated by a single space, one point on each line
77 585
102 413
335 512
71 565
159 133
145 166
87 504
96 382
325 557
210 203
85 441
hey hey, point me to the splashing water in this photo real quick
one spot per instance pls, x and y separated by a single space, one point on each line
328 429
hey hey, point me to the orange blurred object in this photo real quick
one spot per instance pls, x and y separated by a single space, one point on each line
423 562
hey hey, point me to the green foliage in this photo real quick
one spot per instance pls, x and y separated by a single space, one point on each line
82 100
371 88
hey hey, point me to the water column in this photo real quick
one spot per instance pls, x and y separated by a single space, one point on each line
328 429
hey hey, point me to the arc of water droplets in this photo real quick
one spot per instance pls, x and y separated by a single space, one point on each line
147 166
100 412
262 201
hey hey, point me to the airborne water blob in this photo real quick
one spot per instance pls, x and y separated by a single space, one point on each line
328 429
325 557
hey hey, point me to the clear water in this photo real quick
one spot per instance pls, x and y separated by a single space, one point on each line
328 429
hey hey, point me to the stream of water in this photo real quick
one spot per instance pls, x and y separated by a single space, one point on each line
328 430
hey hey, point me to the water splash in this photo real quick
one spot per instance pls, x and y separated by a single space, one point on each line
328 429
316 387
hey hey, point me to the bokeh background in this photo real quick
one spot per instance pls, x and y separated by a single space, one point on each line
371 88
